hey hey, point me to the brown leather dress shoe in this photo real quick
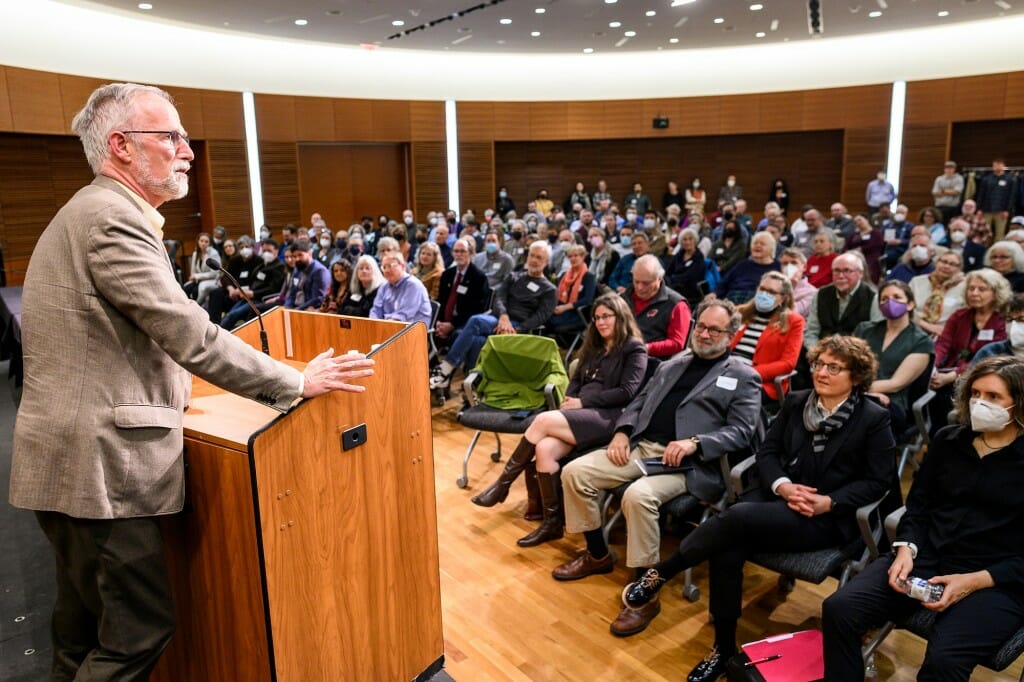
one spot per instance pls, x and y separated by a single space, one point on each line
584 565
632 621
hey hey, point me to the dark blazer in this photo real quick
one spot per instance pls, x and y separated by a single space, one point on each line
856 468
723 410
473 302
617 376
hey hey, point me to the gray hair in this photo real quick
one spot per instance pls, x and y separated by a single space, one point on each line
651 263
542 246
1011 247
387 244
469 243
109 108
356 287
735 319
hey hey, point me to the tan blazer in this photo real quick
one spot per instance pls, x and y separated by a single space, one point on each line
108 335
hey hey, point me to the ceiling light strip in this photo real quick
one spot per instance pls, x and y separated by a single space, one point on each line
895 156
451 134
448 17
252 155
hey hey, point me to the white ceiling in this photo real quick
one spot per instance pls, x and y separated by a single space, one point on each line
564 26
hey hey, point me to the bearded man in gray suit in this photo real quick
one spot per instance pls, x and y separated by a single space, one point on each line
109 341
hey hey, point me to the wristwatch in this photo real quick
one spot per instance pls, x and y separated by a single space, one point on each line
696 442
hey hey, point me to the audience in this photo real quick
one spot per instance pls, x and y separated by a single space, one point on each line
867 239
1007 258
402 298
731 249
268 278
938 294
793 262
1014 343
494 262
918 260
366 281
819 263
740 282
428 268
686 270
839 307
202 278
603 259
311 281
341 275
623 274
661 313
576 290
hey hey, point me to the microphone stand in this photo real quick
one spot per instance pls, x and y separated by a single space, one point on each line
214 264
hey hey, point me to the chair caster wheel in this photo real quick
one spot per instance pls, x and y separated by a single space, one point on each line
439 400
786 584
461 481
692 593
495 456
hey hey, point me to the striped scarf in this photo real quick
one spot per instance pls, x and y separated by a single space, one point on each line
821 426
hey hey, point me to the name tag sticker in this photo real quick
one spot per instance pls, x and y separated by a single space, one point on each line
719 251
243 274
728 383
261 276
495 266
356 297
533 286
461 289
890 234
1002 183
295 281
814 269
986 335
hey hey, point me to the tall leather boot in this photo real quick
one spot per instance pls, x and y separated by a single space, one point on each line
553 525
534 510
515 465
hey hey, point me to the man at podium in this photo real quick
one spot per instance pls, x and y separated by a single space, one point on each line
110 340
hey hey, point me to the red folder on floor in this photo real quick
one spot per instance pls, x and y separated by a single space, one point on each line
792 657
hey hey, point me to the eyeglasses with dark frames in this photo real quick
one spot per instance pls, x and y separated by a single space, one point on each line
173 136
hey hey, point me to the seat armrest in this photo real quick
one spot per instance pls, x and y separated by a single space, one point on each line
892 522
921 415
550 396
869 521
740 474
779 380
468 387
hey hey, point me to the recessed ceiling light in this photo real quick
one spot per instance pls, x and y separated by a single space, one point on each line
501 42
719 20
759 34
875 14
301 22
614 24
1004 5
677 3
505 21
145 5
398 22
673 40
944 13
539 10
609 2
588 50
774 26
535 34
630 34
756 7
651 13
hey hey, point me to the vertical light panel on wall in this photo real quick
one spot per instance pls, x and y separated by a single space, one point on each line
451 134
252 155
895 157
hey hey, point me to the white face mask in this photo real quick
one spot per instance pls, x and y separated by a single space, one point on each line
1017 334
987 417
919 254
648 223
245 252
268 257
958 237
790 271
325 243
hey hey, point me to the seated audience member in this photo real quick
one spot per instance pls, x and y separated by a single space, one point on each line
687 269
793 262
611 368
963 530
979 231
839 307
242 267
311 280
603 259
428 268
386 245
829 451
440 240
228 249
699 406
1007 258
840 222
1014 343
523 302
576 289
938 294
810 223
463 292
639 246
867 239
902 348
931 218
772 333
662 314
918 260
740 282
515 247
971 253
494 262
269 278
896 231
402 298
964 334
202 278
731 249
219 239
366 282
819 263
354 248
327 253
341 275
655 234
696 197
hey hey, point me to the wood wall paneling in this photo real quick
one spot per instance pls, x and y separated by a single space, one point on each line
36 105
476 175
189 103
864 153
700 116
345 181
929 101
390 120
476 120
74 93
979 97
6 119
976 143
512 121
1014 103
314 119
549 120
275 118
925 149
426 121
353 120
229 181
429 179
279 175
741 114
222 115
781 111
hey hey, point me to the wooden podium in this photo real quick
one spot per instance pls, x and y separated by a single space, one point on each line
298 560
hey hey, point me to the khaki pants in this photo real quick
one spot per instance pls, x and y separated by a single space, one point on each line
997 221
584 481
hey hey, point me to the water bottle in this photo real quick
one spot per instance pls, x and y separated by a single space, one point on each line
921 589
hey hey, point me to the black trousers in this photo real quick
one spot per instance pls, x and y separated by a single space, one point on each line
965 634
114 615
728 539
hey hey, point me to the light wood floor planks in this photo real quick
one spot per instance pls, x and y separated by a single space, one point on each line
505 618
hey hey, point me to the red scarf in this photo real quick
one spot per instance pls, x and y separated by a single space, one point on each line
570 284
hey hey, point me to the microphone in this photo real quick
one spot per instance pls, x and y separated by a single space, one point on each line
214 264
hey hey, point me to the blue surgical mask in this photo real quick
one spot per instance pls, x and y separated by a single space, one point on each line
626 241
764 302
491 247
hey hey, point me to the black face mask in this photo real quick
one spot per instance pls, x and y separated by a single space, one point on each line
301 264
552 238
341 244
367 226
354 250
420 239
382 223
730 233
727 215
517 235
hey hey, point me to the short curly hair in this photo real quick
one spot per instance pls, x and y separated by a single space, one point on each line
1009 368
854 352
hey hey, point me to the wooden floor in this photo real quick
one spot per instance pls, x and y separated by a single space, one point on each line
505 618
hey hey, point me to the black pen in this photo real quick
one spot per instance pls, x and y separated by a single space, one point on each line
750 664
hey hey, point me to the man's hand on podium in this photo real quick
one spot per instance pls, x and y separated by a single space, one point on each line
326 373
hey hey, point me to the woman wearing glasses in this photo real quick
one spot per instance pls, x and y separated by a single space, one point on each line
829 451
939 294
1007 258
612 364
772 333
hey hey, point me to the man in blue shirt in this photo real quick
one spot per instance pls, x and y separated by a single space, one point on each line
403 298
310 281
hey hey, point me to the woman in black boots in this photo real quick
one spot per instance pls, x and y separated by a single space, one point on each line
612 364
